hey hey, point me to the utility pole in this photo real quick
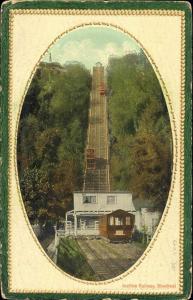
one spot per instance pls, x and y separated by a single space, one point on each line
50 58
50 61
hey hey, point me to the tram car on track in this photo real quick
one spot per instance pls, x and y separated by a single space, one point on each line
102 89
90 158
117 226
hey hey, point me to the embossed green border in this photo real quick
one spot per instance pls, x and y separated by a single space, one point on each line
131 5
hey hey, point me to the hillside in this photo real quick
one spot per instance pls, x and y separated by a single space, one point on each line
51 139
140 133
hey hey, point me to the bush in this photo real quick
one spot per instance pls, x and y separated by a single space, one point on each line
71 259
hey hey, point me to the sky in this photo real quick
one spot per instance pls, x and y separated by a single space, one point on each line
90 45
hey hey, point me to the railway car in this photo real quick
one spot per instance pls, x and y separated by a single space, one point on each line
102 89
90 153
90 158
117 226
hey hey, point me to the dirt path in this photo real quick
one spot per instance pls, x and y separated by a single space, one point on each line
109 260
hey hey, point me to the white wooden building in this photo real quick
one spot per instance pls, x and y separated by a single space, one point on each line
88 207
147 221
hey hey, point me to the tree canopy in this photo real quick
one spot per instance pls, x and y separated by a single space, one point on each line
51 139
140 133
53 127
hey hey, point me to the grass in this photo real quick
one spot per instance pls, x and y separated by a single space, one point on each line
71 260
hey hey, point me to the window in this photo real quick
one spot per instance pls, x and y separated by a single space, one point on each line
89 199
111 200
118 221
128 221
111 220
154 223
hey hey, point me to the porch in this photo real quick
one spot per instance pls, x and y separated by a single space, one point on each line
81 223
83 227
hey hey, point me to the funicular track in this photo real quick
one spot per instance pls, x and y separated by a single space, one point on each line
104 262
96 179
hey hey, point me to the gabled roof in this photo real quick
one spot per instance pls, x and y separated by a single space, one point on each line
120 212
98 192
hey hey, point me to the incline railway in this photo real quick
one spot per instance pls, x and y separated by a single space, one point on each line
109 260
96 178
102 220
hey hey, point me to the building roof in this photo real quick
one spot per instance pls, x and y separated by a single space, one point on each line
142 203
98 64
98 192
120 212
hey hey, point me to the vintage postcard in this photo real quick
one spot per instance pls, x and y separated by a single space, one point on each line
96 150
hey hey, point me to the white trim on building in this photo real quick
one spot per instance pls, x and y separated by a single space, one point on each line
147 221
88 207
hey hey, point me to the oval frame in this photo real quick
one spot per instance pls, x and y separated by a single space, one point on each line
174 154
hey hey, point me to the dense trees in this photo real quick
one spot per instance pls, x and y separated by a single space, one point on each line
140 133
51 139
52 136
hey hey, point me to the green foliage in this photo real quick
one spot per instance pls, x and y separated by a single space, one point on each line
140 131
71 259
51 139
52 135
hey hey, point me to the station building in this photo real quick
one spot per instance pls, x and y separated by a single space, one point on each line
89 207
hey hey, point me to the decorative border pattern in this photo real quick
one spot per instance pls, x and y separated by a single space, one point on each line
182 108
12 146
101 12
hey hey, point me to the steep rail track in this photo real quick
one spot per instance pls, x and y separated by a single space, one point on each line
97 179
